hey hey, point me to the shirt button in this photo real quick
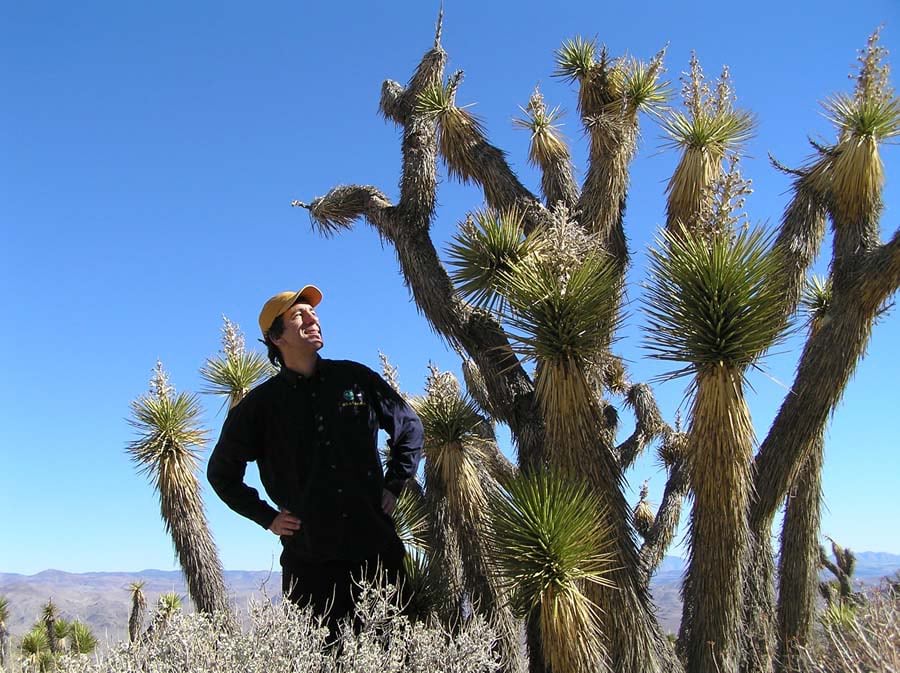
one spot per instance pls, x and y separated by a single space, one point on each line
321 428
327 442
318 417
344 515
340 490
333 466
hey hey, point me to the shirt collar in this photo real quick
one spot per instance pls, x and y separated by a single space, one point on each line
294 378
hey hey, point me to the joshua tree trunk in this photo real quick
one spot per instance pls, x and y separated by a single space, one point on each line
634 640
718 453
798 562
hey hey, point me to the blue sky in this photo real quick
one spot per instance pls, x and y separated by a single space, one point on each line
150 154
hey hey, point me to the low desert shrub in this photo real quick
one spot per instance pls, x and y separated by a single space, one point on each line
864 640
282 638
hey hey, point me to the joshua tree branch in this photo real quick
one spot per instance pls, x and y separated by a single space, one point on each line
665 525
829 358
882 275
502 188
550 153
799 239
342 205
603 196
649 424
500 467
558 182
406 227
474 158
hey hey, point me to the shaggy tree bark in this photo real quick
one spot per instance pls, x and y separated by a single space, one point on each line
798 562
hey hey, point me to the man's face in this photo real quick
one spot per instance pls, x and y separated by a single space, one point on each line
302 333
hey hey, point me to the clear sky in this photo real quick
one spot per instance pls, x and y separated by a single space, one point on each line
150 152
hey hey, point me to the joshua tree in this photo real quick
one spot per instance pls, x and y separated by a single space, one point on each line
81 639
458 483
36 650
839 590
49 617
845 180
138 611
643 513
169 436
234 371
52 637
713 306
543 279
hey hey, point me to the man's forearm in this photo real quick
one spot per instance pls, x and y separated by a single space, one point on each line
226 476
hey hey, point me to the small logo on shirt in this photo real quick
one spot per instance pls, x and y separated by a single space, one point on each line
352 398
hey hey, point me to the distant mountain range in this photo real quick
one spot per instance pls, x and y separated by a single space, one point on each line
103 600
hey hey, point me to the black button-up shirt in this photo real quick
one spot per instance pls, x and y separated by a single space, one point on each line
315 441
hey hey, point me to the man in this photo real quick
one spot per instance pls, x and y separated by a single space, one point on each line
312 430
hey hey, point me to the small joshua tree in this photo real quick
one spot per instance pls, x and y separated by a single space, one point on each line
138 611
170 434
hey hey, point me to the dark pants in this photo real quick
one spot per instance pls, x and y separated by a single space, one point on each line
330 587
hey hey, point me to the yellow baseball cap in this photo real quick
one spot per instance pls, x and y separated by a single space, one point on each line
282 301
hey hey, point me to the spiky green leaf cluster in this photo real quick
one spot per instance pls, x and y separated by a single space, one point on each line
562 315
713 302
73 637
869 117
575 58
547 144
4 609
411 520
486 247
82 639
447 419
233 375
816 299
547 533
170 433
36 645
434 100
168 605
641 85
717 132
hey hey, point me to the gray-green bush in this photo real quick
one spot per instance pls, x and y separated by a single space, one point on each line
282 638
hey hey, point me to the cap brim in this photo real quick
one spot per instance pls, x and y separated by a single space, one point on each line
310 293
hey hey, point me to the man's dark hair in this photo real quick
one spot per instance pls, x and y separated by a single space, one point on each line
275 331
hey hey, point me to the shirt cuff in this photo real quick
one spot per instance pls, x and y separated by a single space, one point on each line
266 516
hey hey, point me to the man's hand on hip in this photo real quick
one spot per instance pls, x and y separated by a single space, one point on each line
285 523
388 501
